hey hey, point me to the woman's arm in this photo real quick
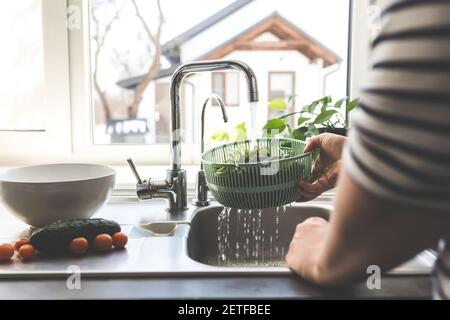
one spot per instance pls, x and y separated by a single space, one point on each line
364 230
399 149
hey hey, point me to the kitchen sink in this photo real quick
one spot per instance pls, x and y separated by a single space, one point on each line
205 248
240 251
253 238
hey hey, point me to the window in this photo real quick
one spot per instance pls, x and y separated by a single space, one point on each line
35 109
134 47
226 86
22 66
110 42
282 86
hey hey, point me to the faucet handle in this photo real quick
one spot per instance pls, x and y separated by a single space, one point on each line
133 168
143 187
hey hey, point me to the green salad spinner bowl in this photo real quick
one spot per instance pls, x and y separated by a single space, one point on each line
256 174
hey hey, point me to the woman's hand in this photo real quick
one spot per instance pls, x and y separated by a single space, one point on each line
326 167
305 247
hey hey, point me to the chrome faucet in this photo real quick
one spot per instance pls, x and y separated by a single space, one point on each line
174 188
201 187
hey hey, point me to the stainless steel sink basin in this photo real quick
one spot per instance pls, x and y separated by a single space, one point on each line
248 242
204 240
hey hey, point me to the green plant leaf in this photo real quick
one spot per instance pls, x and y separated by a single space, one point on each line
311 131
340 102
352 104
302 120
278 104
325 102
292 97
324 116
310 108
220 136
274 126
299 133
327 99
239 132
289 130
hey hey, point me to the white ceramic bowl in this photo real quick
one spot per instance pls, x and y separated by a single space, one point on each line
39 195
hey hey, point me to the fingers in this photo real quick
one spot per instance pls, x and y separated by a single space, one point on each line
327 181
290 259
313 190
310 191
317 169
315 221
329 144
313 143
307 224
306 196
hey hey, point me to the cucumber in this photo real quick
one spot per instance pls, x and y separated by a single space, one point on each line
55 237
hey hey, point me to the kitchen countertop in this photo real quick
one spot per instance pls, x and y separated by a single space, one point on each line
195 287
277 287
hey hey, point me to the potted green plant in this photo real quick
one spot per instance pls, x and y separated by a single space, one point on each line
322 115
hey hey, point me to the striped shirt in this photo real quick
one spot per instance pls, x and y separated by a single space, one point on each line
399 147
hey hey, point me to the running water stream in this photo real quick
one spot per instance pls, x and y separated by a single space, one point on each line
253 117
245 238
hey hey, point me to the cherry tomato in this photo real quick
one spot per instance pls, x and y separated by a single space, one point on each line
103 243
6 252
120 240
27 252
79 246
20 242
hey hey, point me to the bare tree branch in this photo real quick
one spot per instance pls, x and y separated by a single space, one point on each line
122 60
100 39
155 65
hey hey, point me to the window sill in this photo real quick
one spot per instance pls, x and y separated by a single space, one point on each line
125 180
126 183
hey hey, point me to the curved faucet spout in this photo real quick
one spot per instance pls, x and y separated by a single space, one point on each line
198 67
201 188
174 187
224 115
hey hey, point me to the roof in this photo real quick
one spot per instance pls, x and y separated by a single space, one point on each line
171 48
294 39
291 38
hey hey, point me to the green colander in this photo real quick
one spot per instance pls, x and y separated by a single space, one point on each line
256 174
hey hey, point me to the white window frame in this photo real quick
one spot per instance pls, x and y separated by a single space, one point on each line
359 47
67 68
17 146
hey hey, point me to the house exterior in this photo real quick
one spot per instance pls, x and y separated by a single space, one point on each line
285 59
